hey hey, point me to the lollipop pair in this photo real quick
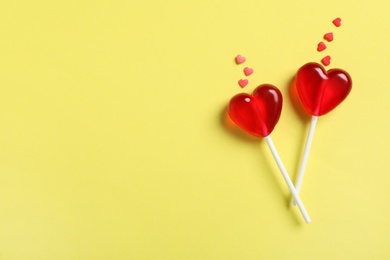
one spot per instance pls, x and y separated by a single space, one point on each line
319 92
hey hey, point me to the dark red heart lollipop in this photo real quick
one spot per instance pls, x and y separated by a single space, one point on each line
257 113
321 91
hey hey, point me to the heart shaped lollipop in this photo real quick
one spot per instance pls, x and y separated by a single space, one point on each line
319 91
258 114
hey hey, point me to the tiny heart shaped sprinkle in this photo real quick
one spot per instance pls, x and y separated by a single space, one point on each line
321 46
240 59
326 60
248 71
337 22
258 113
328 37
243 82
320 91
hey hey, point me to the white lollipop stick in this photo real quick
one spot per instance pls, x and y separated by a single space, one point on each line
287 179
302 168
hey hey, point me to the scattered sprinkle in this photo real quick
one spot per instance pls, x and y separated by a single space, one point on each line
326 60
337 22
243 82
328 37
240 59
248 71
321 46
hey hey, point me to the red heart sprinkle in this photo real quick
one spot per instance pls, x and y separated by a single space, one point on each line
248 71
328 37
321 46
243 82
258 113
321 91
326 60
337 22
240 59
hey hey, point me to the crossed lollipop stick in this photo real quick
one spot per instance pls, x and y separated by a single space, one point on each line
319 91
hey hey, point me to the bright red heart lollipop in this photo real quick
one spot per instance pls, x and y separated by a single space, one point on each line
320 91
258 113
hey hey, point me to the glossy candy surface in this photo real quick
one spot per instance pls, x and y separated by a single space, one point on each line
258 113
321 91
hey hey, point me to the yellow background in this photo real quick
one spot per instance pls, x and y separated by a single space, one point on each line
113 143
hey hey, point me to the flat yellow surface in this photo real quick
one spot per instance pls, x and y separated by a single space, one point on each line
113 142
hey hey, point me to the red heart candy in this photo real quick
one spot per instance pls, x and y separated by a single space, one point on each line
337 22
326 60
328 37
321 46
248 71
243 82
240 59
321 91
258 113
